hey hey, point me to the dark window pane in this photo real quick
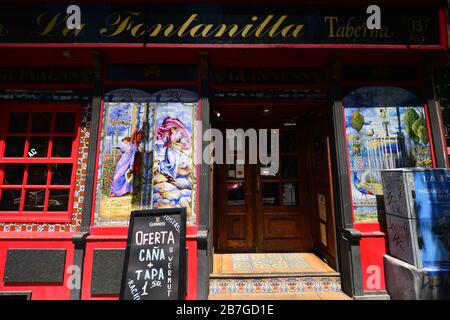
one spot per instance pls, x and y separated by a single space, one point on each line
270 193
289 165
64 122
59 200
18 122
231 173
14 174
61 175
34 200
15 147
288 141
41 122
62 147
38 147
37 174
267 171
235 194
267 140
10 200
290 194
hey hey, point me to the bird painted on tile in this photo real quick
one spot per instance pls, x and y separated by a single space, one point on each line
359 186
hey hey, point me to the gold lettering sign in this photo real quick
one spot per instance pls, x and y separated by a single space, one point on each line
350 30
52 26
120 23
164 23
417 28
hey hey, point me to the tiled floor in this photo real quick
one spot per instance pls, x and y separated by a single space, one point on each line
273 263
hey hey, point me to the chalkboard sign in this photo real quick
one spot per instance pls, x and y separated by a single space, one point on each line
155 257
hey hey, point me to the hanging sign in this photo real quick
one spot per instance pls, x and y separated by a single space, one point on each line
155 257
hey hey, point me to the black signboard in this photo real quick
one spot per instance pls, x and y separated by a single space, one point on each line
217 23
153 72
155 258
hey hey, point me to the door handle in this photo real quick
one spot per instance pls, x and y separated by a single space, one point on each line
258 183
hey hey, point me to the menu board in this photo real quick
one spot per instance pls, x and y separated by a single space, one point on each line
155 257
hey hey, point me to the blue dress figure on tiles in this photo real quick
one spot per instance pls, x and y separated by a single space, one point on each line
127 167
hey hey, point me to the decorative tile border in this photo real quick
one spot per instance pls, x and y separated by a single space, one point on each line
80 180
274 285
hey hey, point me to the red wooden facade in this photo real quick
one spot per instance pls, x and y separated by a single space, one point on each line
58 230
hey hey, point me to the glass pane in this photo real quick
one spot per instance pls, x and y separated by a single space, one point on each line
270 193
267 171
38 147
58 200
231 171
290 194
10 200
288 141
62 147
269 143
34 200
289 165
41 122
13 174
65 122
37 174
18 122
235 194
62 174
15 147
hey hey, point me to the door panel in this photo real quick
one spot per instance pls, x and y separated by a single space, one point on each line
234 198
321 189
281 215
281 228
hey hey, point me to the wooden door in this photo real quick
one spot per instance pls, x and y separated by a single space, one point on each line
235 205
262 213
281 208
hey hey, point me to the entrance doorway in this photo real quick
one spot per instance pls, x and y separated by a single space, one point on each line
262 212
290 211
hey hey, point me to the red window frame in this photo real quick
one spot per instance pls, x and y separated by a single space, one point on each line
39 216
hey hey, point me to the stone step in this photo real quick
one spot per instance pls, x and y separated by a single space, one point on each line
287 273
273 275
323 295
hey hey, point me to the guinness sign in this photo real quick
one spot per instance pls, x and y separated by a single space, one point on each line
48 75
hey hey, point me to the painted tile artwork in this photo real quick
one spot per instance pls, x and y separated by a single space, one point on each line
173 165
146 154
385 128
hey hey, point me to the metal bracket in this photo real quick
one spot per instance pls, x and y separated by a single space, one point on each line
79 239
352 235
202 237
